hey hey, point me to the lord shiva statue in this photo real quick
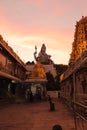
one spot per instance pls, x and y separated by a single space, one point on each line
42 57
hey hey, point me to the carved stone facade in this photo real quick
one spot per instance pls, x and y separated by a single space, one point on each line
73 82
12 72
38 71
80 40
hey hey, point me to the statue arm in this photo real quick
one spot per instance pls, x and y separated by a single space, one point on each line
35 56
35 53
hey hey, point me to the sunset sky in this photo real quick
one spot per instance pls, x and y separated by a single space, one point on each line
26 23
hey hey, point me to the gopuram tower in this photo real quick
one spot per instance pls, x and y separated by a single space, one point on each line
80 40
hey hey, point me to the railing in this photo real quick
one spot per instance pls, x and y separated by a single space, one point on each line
80 116
80 110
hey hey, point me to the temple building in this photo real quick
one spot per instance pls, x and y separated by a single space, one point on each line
36 73
80 40
18 78
12 71
78 62
73 82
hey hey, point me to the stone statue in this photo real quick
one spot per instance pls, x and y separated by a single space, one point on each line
42 56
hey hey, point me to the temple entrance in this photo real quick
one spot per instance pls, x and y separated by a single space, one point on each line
35 92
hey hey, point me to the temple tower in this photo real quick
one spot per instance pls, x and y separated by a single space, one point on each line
80 40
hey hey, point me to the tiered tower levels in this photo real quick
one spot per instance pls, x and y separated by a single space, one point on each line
80 40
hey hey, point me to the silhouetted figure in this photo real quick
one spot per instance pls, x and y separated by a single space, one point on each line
52 106
58 94
49 99
38 94
27 94
57 127
31 97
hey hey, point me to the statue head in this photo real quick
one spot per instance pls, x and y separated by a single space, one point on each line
43 48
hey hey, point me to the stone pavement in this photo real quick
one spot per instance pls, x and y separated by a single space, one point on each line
35 116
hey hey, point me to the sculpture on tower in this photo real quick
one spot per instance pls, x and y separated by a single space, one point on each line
42 56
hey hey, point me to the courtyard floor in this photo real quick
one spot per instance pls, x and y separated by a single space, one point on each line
35 116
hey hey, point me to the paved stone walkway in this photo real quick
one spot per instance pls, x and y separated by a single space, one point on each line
35 116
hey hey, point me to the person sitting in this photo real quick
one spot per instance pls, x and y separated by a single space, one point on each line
57 127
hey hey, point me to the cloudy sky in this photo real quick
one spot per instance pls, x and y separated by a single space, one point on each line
26 23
